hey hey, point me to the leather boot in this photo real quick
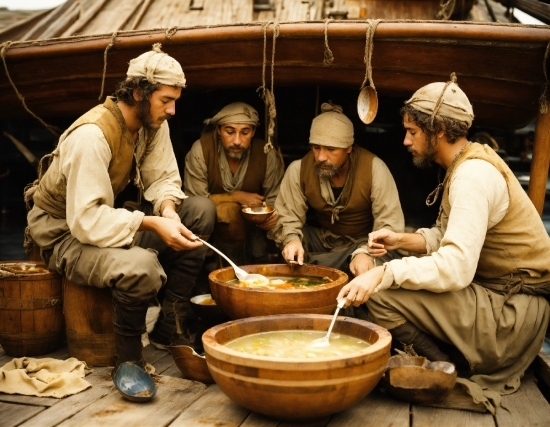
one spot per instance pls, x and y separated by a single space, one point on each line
128 325
413 340
177 321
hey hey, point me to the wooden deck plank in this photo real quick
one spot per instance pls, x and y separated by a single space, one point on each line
427 416
65 408
12 414
213 408
527 407
375 410
173 396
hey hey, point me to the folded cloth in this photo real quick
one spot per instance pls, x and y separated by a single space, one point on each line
45 377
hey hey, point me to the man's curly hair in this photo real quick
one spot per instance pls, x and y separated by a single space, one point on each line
454 129
125 89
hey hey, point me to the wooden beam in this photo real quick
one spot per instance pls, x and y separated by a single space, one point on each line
540 161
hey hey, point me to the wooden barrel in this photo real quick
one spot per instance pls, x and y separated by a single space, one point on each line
89 323
31 314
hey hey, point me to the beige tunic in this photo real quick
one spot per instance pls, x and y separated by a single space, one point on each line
292 204
196 174
91 216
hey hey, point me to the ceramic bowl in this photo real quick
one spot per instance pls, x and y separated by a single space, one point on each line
416 379
134 383
206 308
239 302
258 214
296 389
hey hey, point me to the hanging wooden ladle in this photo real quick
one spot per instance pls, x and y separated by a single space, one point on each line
367 102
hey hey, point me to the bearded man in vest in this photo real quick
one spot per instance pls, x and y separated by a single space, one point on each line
476 297
348 191
235 170
85 238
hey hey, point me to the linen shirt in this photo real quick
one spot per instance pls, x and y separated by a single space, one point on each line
479 199
84 158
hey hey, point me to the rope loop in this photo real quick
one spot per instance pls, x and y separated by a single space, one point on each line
369 46
328 56
170 32
109 46
543 101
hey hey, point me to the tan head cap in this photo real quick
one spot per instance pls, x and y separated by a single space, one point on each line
444 99
237 112
157 67
331 128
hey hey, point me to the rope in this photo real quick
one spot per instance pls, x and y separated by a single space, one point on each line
328 57
543 102
446 9
170 32
440 99
369 45
109 46
54 130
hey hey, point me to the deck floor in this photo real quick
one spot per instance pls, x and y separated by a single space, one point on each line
181 402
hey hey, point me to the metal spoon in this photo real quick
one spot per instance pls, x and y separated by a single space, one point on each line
243 276
324 341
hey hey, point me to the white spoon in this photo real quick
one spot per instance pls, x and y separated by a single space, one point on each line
324 341
243 276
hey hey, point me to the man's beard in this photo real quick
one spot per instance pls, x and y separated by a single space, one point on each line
144 115
425 161
329 173
237 155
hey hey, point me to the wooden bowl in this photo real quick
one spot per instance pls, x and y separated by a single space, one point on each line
416 379
296 389
207 309
258 214
191 364
239 302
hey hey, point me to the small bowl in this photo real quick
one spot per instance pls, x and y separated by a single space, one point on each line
258 214
206 309
134 383
191 364
416 379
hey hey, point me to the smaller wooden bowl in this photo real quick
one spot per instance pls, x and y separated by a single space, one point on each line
416 379
258 214
191 364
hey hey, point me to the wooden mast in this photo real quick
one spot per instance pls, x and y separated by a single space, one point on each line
540 161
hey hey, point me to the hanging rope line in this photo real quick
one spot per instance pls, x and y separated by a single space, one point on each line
328 56
446 9
109 46
170 32
369 46
54 130
543 102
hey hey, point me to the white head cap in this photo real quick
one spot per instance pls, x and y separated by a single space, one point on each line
157 67
237 112
331 128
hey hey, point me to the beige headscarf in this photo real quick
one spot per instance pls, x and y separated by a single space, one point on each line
445 99
331 128
157 67
237 112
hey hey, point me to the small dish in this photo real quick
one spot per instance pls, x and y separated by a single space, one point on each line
416 379
134 383
258 214
206 309
191 364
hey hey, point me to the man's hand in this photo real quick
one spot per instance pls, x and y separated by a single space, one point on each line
269 223
168 210
359 290
382 241
361 263
294 251
247 199
172 232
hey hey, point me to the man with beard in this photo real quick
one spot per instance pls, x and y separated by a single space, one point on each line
234 169
85 238
348 191
477 296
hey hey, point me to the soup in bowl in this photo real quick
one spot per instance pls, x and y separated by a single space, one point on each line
239 301
299 387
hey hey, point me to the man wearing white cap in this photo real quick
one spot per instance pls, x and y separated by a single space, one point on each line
87 239
235 170
350 192
477 296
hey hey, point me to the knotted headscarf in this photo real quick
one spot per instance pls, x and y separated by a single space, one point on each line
237 112
331 128
157 67
444 99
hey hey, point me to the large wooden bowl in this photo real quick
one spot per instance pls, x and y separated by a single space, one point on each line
296 389
239 302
